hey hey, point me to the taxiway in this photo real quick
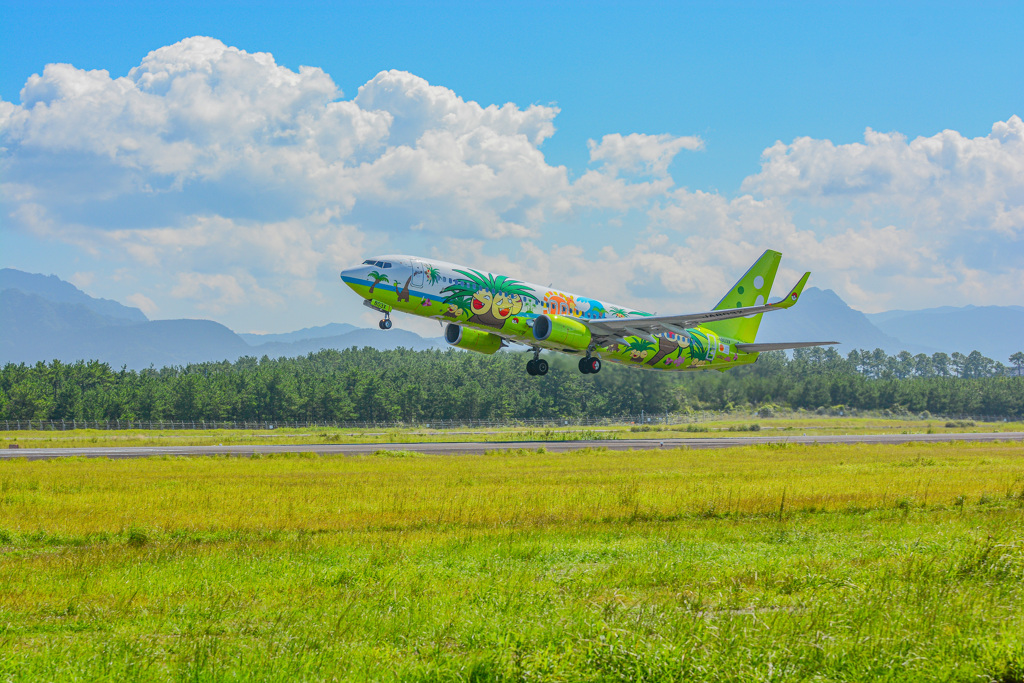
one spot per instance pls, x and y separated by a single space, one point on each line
474 447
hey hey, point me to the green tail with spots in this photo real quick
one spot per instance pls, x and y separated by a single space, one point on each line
751 290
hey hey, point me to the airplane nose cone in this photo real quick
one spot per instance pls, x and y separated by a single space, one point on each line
350 276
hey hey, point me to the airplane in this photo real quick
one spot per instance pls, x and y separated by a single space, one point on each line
486 311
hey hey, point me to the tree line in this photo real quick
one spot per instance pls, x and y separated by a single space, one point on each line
418 386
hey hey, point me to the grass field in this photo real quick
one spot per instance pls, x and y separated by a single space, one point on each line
851 563
721 426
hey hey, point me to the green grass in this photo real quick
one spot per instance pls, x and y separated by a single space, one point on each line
762 563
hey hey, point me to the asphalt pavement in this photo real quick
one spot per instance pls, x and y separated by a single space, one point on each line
463 447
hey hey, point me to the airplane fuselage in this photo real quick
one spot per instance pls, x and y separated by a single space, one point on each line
494 307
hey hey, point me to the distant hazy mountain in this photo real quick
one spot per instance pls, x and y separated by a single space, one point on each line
30 318
996 331
383 340
52 288
331 330
35 329
43 318
822 316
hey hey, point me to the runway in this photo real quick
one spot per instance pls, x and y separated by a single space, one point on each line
467 448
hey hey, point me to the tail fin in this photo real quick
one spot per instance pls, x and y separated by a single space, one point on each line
750 290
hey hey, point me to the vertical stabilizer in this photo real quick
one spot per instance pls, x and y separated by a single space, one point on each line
751 290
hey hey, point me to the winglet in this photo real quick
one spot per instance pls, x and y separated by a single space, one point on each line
794 295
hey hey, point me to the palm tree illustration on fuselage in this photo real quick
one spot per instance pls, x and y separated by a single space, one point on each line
639 349
666 346
377 279
489 300
700 345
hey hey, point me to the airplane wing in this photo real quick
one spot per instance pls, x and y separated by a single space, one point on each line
644 327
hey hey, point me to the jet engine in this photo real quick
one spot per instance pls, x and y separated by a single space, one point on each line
562 330
470 339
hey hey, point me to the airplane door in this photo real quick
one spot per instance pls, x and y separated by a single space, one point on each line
418 274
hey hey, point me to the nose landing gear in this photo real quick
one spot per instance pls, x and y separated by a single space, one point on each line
382 307
590 365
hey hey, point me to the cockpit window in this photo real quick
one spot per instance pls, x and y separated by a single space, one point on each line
387 264
369 262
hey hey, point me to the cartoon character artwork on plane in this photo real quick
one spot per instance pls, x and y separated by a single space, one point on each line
490 301
485 311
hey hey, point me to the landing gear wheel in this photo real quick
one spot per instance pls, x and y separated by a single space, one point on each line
385 324
542 366
584 366
593 365
380 324
531 367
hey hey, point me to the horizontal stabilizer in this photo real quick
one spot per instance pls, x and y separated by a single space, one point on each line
779 346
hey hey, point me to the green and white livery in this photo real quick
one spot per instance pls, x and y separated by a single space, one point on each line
485 312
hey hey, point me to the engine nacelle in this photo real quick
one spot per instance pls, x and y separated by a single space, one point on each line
470 339
561 330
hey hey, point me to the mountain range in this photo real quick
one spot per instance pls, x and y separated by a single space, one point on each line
44 318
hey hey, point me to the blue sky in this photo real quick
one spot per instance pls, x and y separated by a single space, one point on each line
664 213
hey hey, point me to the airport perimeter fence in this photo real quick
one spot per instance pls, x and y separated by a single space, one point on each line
648 419
645 418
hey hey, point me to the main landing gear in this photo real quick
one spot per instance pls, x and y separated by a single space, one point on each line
590 365
537 366
385 324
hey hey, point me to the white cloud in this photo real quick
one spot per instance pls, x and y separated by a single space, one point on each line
217 292
947 183
206 158
218 178
650 154
82 279
924 219
199 128
143 303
